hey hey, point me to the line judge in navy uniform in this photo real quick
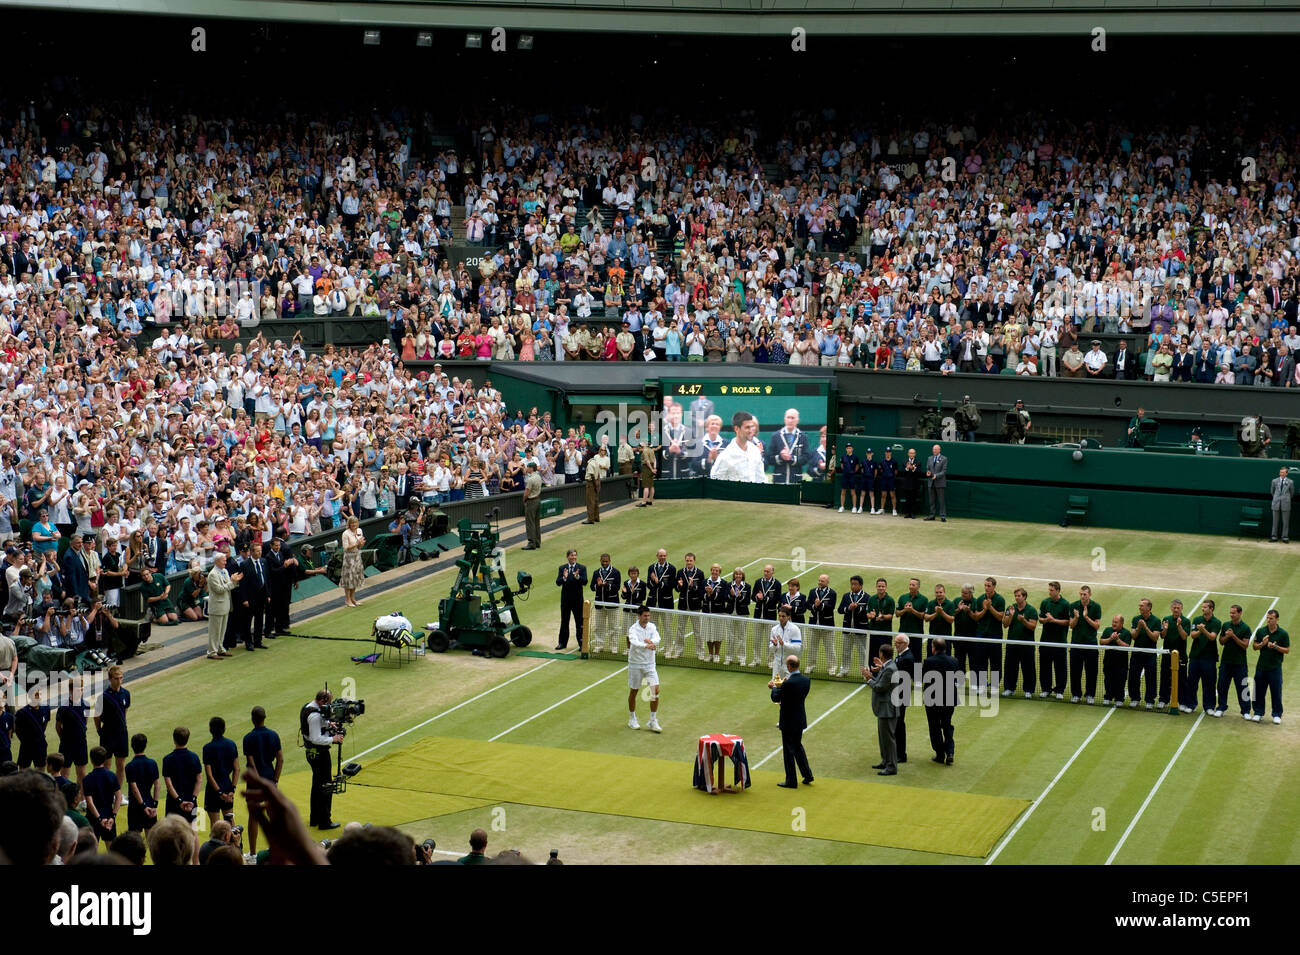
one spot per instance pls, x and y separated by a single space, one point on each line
787 452
766 594
790 695
604 589
571 578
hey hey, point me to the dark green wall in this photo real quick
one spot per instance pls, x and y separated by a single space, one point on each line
1143 490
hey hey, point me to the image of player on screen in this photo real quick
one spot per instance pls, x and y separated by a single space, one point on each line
742 458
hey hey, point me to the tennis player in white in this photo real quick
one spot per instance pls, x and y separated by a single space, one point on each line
643 643
785 641
742 459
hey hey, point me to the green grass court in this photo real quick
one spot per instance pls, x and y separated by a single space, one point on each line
535 748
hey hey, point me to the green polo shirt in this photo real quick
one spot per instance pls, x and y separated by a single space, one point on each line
1060 609
1172 640
1019 628
939 627
154 588
1147 641
908 623
1084 632
881 605
990 625
1271 659
1233 653
1206 648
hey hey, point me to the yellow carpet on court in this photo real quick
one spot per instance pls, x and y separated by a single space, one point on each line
869 813
385 806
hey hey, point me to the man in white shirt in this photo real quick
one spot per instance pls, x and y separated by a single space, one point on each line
643 643
785 640
741 459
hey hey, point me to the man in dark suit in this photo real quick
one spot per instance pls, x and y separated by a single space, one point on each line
882 676
787 452
939 689
403 488
794 720
1124 364
252 597
76 578
1184 360
571 578
906 664
281 569
155 547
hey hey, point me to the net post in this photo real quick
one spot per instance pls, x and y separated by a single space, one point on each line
1173 683
586 628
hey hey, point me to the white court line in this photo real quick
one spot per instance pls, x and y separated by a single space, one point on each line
1050 786
814 723
452 710
1151 795
1146 802
982 574
554 705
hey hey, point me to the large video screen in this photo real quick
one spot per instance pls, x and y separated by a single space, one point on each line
779 438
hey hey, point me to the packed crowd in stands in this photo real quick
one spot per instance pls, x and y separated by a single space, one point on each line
134 248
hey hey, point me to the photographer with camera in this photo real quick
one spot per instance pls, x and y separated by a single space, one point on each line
318 735
18 608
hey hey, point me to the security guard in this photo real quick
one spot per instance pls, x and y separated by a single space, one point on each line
767 594
988 612
1054 615
1147 630
690 598
853 608
821 606
880 617
1021 619
850 468
317 739
606 622
1235 640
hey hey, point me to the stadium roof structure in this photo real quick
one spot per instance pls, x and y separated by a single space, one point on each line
757 18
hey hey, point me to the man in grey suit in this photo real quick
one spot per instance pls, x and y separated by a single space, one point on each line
882 677
1283 489
220 584
936 469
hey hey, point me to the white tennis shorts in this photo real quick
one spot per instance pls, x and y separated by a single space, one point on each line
636 675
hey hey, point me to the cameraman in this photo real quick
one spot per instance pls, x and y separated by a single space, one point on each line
52 623
318 734
1017 424
20 600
